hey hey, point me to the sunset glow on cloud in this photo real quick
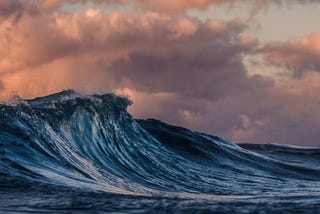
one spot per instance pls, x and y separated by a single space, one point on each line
176 67
299 56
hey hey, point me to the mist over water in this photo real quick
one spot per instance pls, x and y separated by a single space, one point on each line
69 152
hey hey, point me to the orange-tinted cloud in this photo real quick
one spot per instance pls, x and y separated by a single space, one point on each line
176 68
43 43
169 6
299 56
159 6
1 86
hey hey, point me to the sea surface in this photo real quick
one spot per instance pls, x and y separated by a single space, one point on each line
74 153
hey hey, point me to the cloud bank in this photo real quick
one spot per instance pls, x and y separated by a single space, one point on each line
17 7
176 68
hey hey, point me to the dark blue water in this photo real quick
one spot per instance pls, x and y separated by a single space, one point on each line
73 153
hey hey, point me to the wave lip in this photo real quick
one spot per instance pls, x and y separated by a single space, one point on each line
91 142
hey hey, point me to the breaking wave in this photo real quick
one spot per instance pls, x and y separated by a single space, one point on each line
90 143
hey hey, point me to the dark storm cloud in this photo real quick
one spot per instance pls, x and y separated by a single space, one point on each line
196 59
210 72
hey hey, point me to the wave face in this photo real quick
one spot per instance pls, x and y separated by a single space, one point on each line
73 152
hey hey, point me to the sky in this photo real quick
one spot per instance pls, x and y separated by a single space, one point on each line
245 70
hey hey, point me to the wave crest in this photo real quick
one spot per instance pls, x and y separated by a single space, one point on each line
91 141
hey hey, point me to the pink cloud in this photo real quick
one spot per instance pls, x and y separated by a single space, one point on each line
39 44
299 56
17 7
176 68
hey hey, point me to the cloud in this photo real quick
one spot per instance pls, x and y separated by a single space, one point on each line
175 68
18 7
210 70
8 8
206 55
172 7
298 56
1 86
148 52
284 113
54 4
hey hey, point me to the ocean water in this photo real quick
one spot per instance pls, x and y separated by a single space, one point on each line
74 153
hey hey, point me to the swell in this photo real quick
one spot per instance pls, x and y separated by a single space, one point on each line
92 142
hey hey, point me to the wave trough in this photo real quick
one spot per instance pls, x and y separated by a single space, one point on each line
74 152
